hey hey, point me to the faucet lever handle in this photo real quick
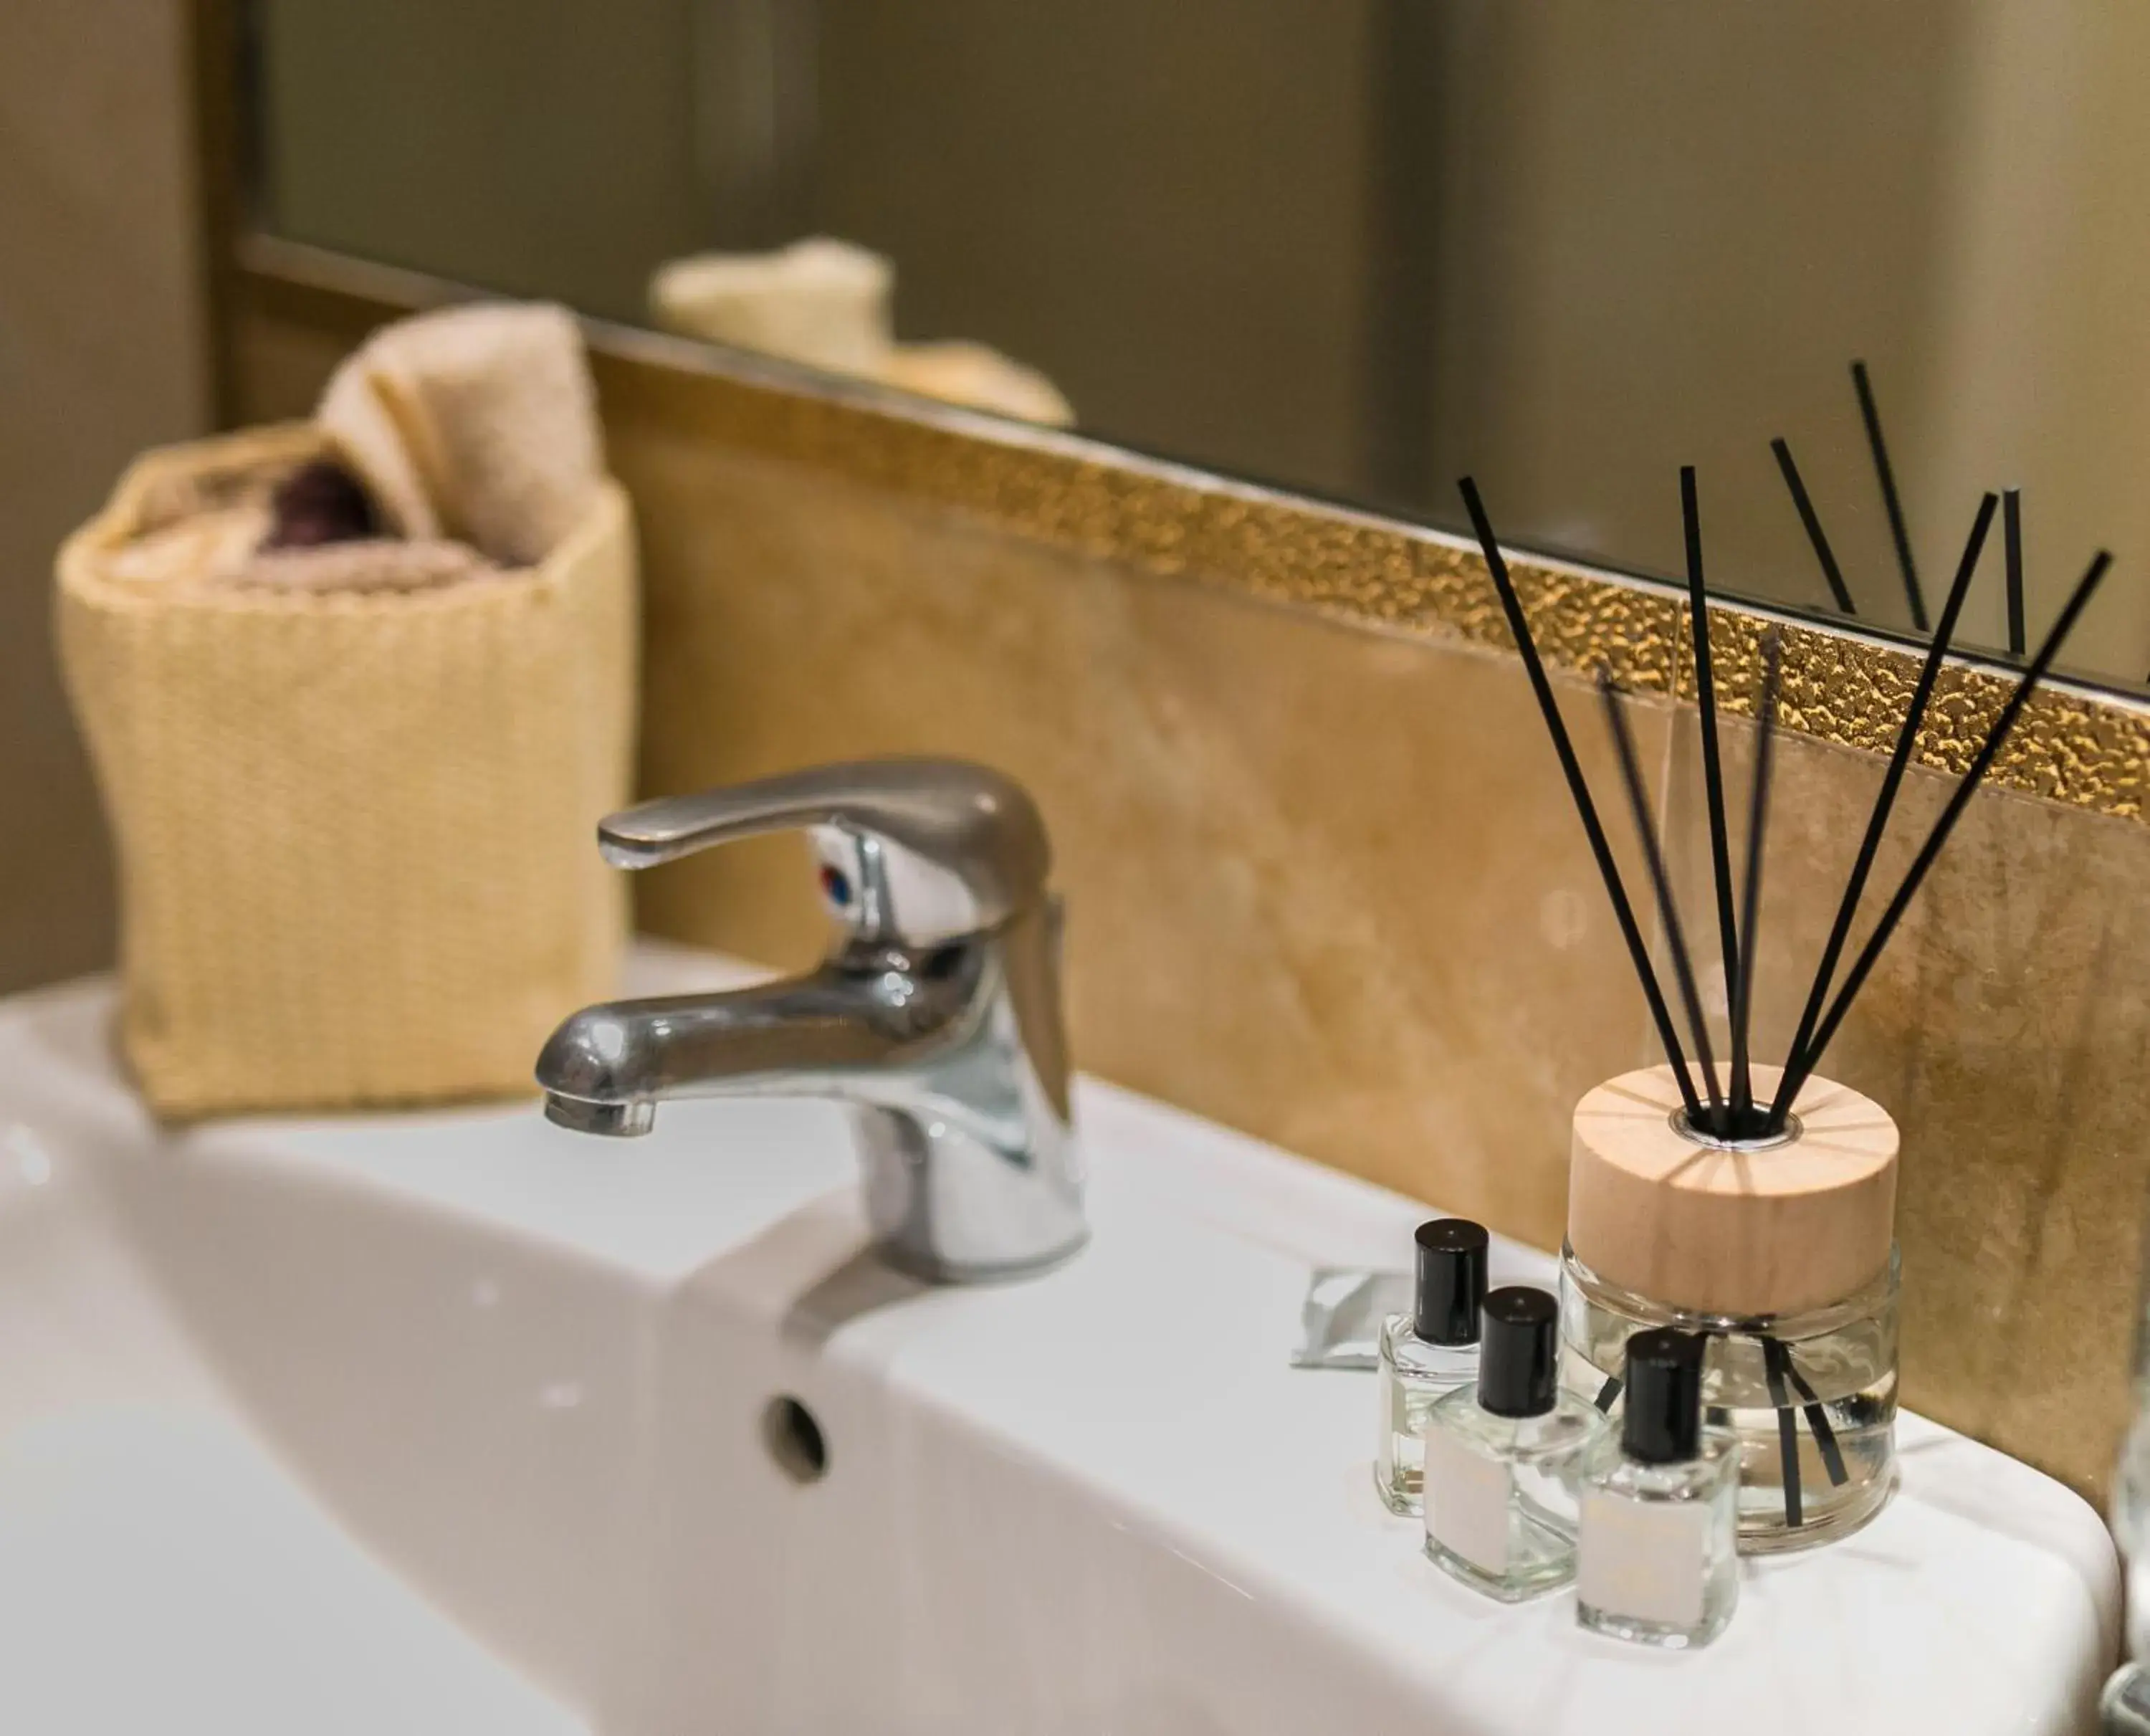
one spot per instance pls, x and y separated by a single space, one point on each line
912 850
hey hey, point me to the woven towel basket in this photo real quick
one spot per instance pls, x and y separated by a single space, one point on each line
355 828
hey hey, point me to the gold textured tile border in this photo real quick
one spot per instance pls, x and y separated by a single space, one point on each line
2074 744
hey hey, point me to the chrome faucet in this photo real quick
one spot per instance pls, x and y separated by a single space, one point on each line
936 1012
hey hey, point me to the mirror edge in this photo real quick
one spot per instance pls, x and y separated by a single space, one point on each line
2078 745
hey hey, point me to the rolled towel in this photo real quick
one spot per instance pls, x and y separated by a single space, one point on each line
228 546
354 410
209 547
469 438
373 564
820 301
321 503
475 423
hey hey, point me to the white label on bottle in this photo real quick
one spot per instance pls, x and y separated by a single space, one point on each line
1467 1503
1643 1560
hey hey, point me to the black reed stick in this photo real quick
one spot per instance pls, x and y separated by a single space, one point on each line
1750 904
1878 821
1638 800
1818 1424
2086 588
1885 473
1808 517
1775 1362
2011 541
1585 810
1712 767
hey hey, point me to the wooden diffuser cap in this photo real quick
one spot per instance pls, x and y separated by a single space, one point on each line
1720 1230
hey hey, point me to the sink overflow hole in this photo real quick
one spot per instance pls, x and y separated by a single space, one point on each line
795 1439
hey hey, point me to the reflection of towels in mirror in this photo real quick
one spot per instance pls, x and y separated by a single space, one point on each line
979 377
820 302
827 302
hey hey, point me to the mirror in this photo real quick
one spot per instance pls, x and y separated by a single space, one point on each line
1351 247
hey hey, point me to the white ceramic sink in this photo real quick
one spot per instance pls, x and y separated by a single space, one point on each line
455 1422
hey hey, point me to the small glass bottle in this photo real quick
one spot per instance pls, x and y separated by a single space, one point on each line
1503 1458
1658 1559
1429 1353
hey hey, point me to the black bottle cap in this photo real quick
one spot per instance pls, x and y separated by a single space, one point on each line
1519 1334
1452 1280
1662 1424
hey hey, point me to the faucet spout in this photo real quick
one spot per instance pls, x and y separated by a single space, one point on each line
611 1121
859 1021
957 1075
936 1015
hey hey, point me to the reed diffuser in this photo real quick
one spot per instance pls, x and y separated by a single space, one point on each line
1755 1204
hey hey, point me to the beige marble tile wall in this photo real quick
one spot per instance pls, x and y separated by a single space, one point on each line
1325 884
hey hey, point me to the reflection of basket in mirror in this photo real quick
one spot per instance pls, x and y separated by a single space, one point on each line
352 826
1781 1251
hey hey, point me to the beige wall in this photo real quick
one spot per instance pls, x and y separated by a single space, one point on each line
101 354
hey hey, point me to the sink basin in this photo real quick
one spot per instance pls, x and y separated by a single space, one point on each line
456 1421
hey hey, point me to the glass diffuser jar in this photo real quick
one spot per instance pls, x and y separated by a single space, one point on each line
1779 1252
1828 1376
